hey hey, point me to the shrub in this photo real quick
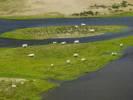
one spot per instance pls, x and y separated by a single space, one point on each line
90 13
86 13
75 14
124 4
96 13
83 14
116 6
130 9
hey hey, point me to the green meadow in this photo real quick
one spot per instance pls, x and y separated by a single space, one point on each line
51 62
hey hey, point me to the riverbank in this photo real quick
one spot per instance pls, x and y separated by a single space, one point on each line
59 15
113 80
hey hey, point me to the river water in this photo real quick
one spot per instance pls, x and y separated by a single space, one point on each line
8 25
113 82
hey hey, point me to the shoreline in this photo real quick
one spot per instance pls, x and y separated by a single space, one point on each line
33 17
83 79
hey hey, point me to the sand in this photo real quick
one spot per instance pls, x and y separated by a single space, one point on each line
34 7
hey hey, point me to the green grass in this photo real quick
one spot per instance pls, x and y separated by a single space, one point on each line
14 63
26 91
40 16
60 32
124 14
60 15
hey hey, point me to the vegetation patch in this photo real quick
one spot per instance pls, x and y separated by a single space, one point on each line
122 8
23 90
61 32
55 61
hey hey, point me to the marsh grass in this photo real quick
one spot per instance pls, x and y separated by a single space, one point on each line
60 32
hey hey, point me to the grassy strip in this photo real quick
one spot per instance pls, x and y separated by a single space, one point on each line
15 63
42 16
60 32
59 15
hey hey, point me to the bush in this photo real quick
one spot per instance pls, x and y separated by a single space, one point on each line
124 4
116 6
83 14
130 9
86 13
75 14
90 13
96 13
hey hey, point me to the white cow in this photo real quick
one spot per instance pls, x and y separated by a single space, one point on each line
52 65
92 30
83 59
83 24
68 61
63 43
14 86
24 45
76 41
114 53
54 42
75 54
121 45
31 55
